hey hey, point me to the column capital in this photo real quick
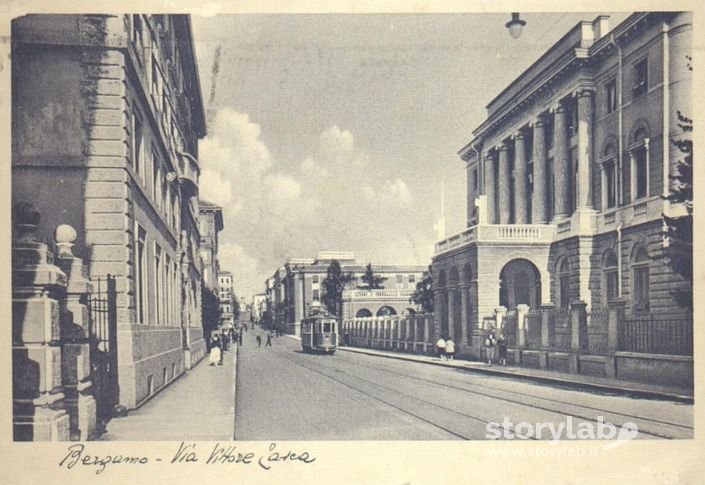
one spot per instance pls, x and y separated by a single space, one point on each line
584 91
518 135
538 122
504 146
557 108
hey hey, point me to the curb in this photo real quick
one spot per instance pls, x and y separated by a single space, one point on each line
594 386
236 352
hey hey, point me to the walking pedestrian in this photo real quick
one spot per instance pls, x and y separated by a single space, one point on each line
216 355
450 348
502 348
490 345
441 348
269 340
259 341
239 339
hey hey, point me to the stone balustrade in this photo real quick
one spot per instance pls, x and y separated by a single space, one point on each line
504 233
408 333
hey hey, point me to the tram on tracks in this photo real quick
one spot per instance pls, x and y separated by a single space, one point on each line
319 332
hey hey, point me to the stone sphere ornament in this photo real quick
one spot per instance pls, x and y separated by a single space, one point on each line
65 237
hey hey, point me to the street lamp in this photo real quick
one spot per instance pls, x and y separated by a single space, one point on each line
515 26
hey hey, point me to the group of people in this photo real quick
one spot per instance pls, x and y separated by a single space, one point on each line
220 341
493 344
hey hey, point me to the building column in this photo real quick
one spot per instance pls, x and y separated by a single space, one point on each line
521 215
586 107
299 299
464 314
539 196
489 183
451 313
505 184
561 162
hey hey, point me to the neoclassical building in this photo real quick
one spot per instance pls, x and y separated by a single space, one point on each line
566 180
294 286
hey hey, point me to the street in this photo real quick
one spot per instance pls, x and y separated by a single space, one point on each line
285 394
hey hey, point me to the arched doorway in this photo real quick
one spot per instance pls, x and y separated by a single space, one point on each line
520 283
386 311
363 313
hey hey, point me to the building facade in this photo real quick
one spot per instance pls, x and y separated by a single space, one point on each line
226 298
294 286
211 223
107 114
566 180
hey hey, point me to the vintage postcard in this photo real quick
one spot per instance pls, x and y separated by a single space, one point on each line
319 243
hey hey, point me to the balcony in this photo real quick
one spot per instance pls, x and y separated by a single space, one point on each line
499 233
382 294
189 172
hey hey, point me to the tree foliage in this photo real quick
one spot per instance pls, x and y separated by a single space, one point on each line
210 310
371 281
423 294
333 285
678 231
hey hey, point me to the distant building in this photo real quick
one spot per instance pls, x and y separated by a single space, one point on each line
107 114
210 223
259 306
294 286
226 298
567 179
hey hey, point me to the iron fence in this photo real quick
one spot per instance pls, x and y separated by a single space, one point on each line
560 329
648 334
598 319
533 328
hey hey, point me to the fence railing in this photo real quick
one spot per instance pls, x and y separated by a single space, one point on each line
598 321
649 334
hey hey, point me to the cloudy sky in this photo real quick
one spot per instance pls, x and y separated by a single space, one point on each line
336 132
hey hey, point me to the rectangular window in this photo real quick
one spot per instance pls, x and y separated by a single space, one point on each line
641 288
400 279
157 176
412 278
316 295
610 184
157 284
564 284
640 172
611 95
612 284
314 279
137 136
474 181
140 277
641 79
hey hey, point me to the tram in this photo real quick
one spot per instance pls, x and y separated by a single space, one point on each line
319 332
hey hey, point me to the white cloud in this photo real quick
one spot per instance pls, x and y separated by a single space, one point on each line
337 147
213 187
244 267
397 191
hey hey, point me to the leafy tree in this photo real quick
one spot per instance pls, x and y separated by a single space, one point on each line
333 286
678 231
210 310
371 281
423 294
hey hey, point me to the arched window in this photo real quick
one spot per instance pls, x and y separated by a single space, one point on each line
363 313
640 280
610 275
386 311
639 155
563 278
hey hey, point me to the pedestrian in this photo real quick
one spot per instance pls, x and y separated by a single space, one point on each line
450 348
239 339
490 345
441 348
269 340
502 348
216 354
259 341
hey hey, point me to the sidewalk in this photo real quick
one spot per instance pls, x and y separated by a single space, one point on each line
582 382
200 405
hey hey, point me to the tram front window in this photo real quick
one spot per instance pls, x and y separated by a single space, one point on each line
326 327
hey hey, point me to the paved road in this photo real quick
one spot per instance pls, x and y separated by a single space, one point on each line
285 394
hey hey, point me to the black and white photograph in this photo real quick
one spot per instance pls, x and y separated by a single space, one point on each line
255 235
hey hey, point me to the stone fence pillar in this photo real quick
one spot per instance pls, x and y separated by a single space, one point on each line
614 319
578 333
547 310
499 314
38 288
75 338
522 310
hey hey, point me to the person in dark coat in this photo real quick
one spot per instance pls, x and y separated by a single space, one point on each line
502 349
259 341
239 339
269 340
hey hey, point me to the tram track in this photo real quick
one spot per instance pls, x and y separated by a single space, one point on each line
406 395
446 384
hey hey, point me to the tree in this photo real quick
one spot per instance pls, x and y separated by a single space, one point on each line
371 281
423 294
333 286
210 310
678 231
